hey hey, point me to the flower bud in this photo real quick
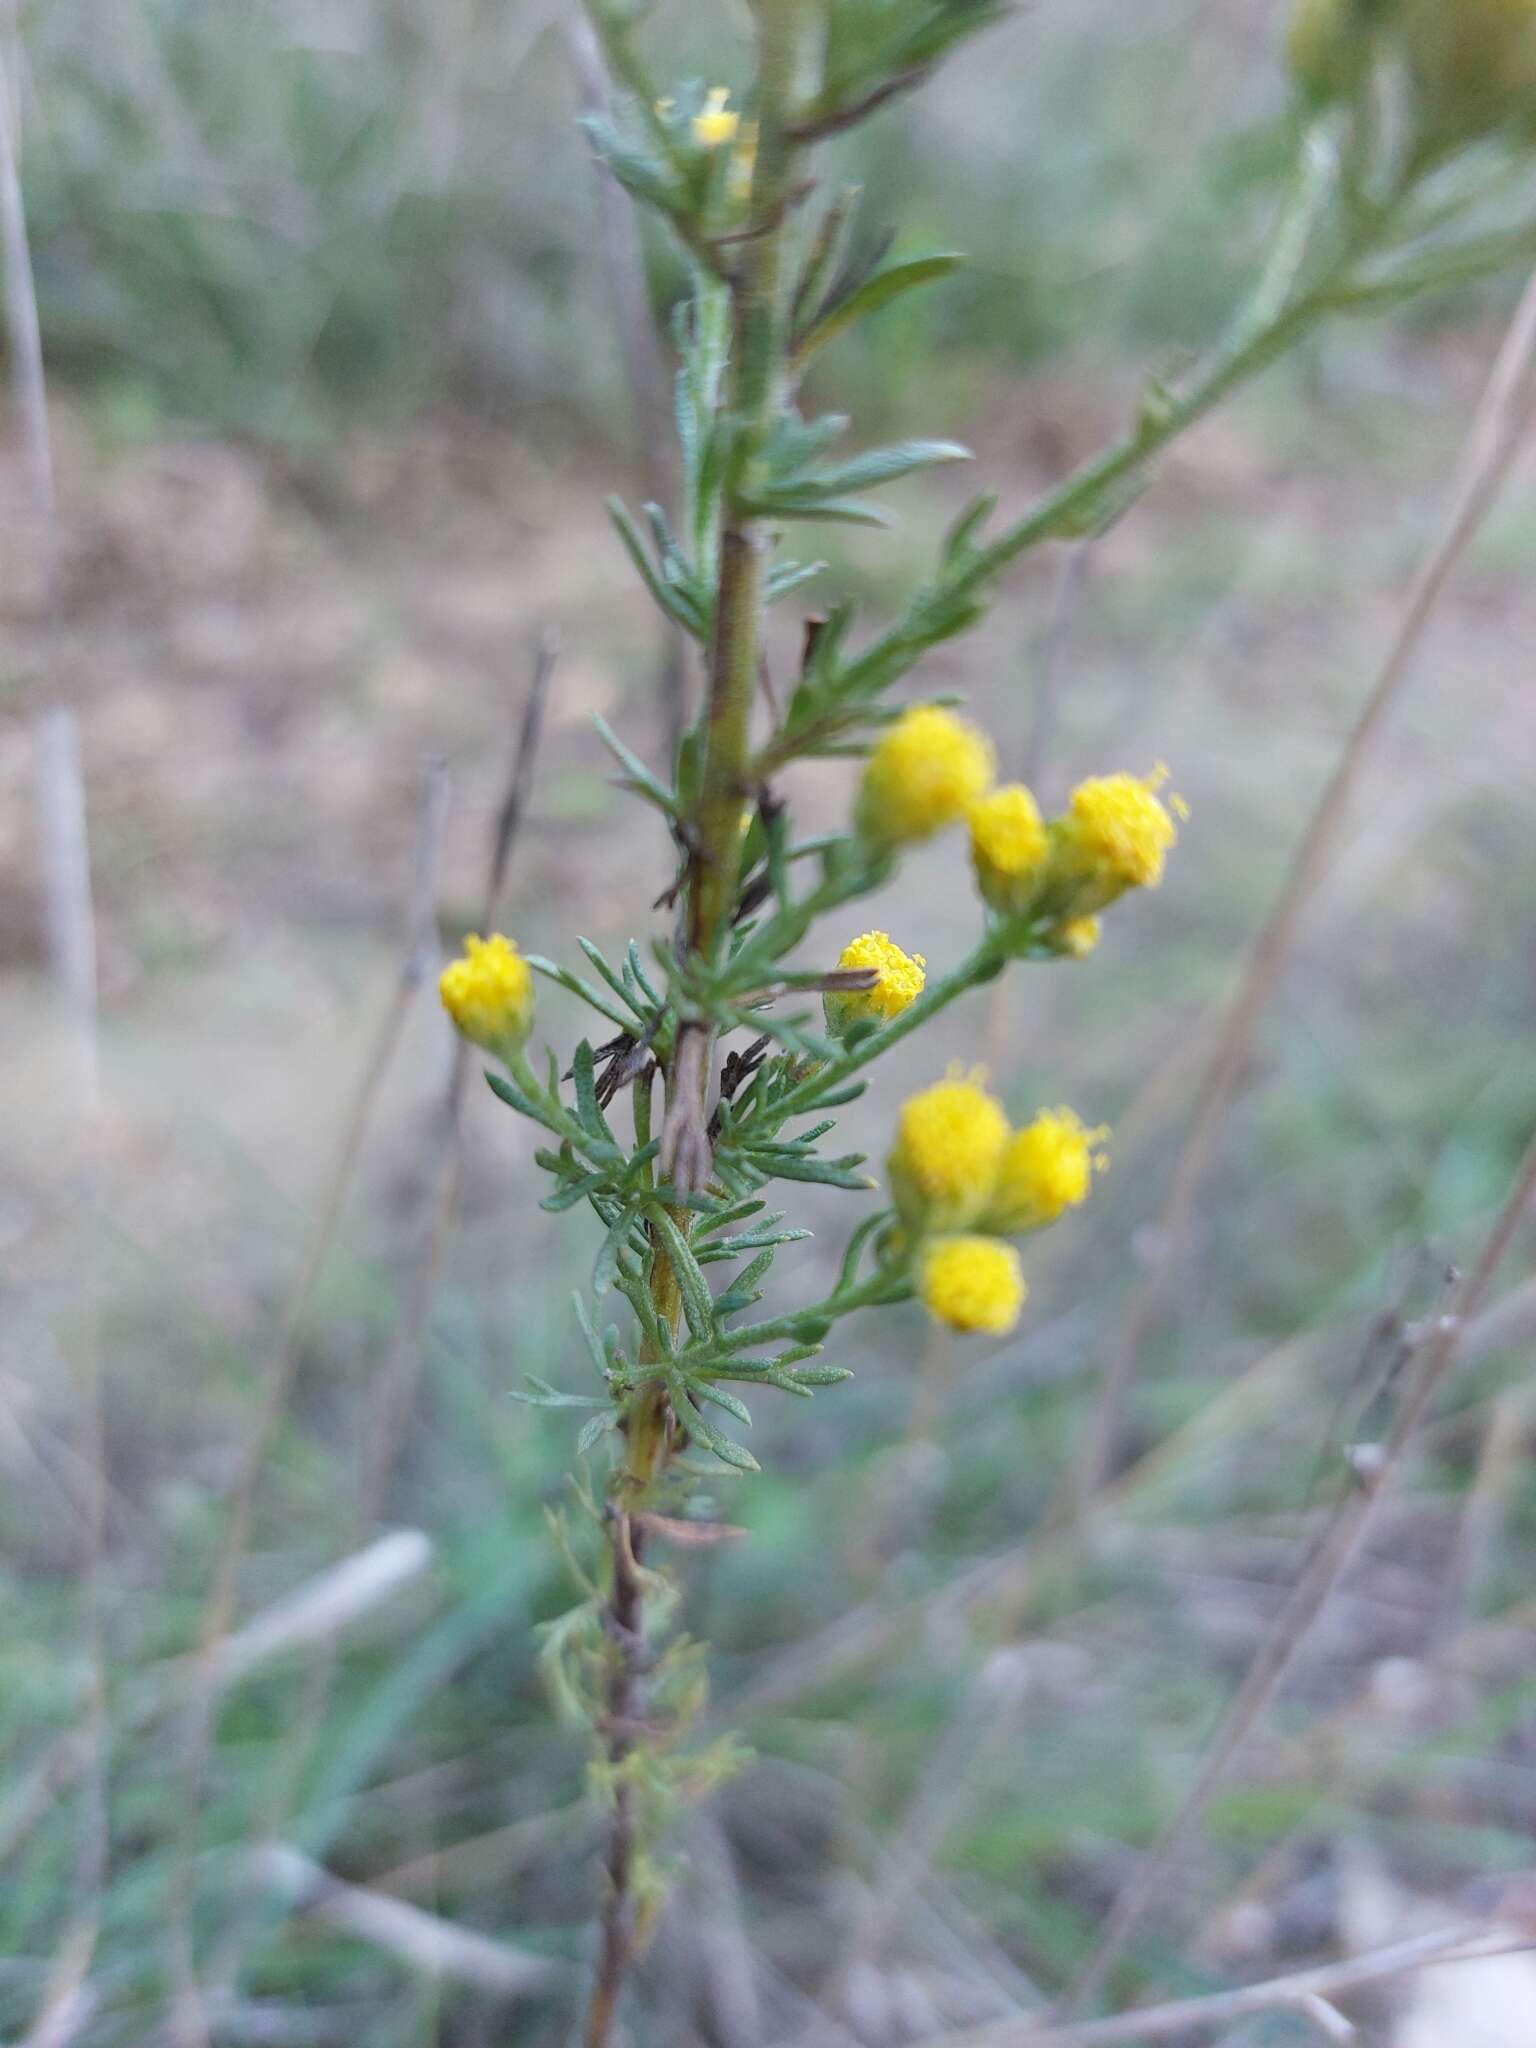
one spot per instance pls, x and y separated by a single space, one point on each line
1008 849
1473 64
488 992
899 982
926 772
1046 1169
949 1141
1329 47
971 1283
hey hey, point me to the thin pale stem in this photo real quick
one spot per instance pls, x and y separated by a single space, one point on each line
1426 1372
1492 441
1184 2017
759 329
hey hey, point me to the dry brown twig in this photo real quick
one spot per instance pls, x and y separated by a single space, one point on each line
1424 1370
70 918
24 333
644 370
401 1370
1492 442
424 1942
214 1640
1297 1991
400 1373
948 1790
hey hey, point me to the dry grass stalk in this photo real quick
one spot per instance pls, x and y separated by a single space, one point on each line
401 1370
1295 1992
1423 1372
26 344
650 398
422 1941
1493 440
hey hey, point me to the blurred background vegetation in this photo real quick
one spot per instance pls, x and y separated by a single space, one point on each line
334 400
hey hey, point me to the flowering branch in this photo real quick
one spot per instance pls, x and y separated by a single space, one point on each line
716 1010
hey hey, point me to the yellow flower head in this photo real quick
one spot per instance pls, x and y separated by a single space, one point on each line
949 1142
1008 848
1048 1167
927 771
488 992
715 124
1078 936
1115 836
971 1283
900 982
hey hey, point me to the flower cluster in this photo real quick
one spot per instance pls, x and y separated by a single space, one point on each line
963 1181
932 769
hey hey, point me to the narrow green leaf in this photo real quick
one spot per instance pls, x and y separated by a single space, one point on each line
820 1375
789 577
525 1104
705 1432
542 1395
873 294
677 603
615 981
698 1302
594 1343
877 466
573 1191
578 985
738 1410
606 1266
592 1430
787 504
584 1074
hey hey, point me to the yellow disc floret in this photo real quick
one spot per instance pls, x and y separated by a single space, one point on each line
899 981
1116 836
927 771
488 992
949 1142
971 1283
1008 848
1046 1168
715 124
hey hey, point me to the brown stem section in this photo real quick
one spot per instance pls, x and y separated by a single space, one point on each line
758 352
624 1621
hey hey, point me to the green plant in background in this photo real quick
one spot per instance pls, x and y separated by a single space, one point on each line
750 1079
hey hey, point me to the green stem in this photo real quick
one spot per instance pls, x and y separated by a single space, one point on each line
878 1292
1270 323
759 326
984 959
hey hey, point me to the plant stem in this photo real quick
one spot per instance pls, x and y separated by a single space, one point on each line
625 1624
648 1434
1272 320
759 329
985 957
759 322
